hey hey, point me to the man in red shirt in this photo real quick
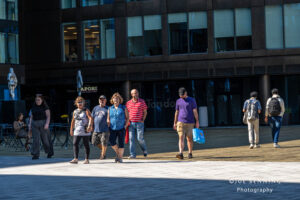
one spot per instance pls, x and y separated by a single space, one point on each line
137 110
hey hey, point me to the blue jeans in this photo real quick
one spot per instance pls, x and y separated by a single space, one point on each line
136 127
275 124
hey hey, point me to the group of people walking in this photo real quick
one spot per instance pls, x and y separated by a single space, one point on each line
109 124
273 116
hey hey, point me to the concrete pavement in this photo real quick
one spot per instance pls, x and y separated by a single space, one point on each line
22 178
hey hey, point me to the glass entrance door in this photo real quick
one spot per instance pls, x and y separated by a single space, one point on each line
228 109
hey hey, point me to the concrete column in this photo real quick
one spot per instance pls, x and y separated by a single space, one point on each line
265 87
126 90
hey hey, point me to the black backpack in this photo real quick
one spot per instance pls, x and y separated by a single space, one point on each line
274 107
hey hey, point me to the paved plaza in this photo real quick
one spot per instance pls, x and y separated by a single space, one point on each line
223 168
22 178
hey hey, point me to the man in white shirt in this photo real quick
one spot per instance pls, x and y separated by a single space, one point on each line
274 113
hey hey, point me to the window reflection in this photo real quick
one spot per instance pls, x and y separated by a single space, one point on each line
9 9
99 39
233 29
68 4
70 42
96 2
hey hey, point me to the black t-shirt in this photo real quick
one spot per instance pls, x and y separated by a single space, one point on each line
39 112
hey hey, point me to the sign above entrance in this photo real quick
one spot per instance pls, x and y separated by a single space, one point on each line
89 89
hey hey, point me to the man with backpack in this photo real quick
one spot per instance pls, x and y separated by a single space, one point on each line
274 113
252 109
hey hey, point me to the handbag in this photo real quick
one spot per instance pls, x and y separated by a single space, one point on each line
198 136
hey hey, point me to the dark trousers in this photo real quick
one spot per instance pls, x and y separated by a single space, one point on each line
275 124
114 134
86 143
38 132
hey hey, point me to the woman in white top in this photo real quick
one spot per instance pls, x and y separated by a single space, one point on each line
81 127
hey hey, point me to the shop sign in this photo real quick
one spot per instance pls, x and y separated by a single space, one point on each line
89 89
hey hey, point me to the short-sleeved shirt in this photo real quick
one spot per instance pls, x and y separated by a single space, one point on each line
185 108
136 110
117 117
99 115
39 112
256 103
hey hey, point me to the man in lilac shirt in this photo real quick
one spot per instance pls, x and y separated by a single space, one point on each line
184 121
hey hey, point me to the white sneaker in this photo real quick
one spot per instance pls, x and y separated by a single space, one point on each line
251 146
276 145
257 146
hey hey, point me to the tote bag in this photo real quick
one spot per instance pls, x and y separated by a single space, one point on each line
198 136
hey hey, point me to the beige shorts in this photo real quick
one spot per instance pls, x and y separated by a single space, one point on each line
185 129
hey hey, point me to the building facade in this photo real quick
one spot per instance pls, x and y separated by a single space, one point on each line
9 46
220 50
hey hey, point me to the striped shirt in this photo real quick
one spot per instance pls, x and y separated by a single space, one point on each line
136 110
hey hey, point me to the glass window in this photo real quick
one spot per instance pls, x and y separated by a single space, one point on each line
152 34
135 36
243 29
68 4
178 33
144 35
12 10
70 42
13 48
198 32
224 30
136 0
292 25
233 29
108 38
90 3
94 31
91 40
96 2
2 9
274 27
2 47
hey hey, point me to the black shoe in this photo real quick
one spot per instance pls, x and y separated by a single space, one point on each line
145 155
179 156
35 157
49 155
190 155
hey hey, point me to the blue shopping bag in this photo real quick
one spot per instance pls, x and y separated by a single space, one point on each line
198 136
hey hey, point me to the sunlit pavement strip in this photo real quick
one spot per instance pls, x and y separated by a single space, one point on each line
164 178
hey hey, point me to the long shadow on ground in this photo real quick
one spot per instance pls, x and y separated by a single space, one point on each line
66 187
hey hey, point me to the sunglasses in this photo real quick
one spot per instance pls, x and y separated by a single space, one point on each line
80 102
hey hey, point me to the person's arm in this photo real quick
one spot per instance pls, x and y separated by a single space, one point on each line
72 126
144 111
108 119
17 127
91 121
195 111
30 123
245 106
259 107
175 120
46 126
127 118
267 111
144 115
282 107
